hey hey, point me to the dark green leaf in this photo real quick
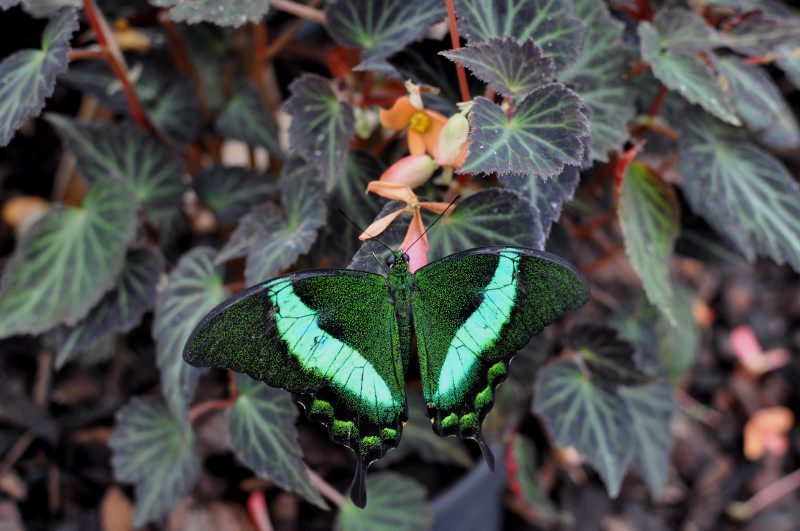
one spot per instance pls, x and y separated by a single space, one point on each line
67 261
120 309
194 287
743 192
510 68
600 76
550 23
208 48
231 191
322 125
167 96
683 31
47 8
592 419
651 407
609 359
759 102
262 432
522 478
549 195
261 219
28 77
125 151
685 72
396 503
760 33
157 454
650 223
544 134
226 13
490 217
789 62
245 118
381 27
286 236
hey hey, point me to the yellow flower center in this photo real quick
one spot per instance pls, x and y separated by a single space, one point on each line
419 122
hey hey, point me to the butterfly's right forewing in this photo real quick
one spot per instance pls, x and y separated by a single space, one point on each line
330 337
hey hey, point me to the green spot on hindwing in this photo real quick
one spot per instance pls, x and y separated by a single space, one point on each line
344 429
497 373
322 408
470 424
450 421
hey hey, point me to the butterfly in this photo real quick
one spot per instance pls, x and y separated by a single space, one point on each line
340 340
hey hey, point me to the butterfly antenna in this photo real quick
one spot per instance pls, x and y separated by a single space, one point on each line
380 263
353 223
432 224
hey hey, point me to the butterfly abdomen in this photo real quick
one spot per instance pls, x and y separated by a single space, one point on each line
400 293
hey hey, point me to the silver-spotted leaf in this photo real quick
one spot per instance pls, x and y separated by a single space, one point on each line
544 133
153 172
650 222
381 27
67 261
549 195
592 419
225 13
292 231
687 73
322 125
28 77
743 192
120 309
609 359
263 436
550 23
651 407
230 192
510 68
760 103
194 287
156 453
245 118
600 76
396 503
682 30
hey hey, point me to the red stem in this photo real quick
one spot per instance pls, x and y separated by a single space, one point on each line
455 40
198 410
658 101
116 62
257 507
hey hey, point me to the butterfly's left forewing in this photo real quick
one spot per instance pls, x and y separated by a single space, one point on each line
472 312
330 337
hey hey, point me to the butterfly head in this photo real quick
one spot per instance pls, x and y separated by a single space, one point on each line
397 258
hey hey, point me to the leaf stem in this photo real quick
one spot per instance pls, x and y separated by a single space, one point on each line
770 494
325 488
257 507
455 40
116 61
198 410
300 10
280 42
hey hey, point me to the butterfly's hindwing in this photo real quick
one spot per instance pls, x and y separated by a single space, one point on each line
472 312
330 338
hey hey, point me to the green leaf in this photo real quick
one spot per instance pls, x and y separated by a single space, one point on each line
287 235
420 440
592 419
168 97
544 134
489 217
510 68
651 407
263 436
381 27
600 76
687 73
678 350
760 103
522 478
322 125
395 503
609 359
231 191
29 76
208 48
159 455
194 287
743 192
120 309
67 261
550 23
226 13
46 8
260 219
761 33
245 118
153 172
789 62
549 195
650 223
684 31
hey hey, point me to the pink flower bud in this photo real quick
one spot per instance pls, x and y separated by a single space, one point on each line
412 170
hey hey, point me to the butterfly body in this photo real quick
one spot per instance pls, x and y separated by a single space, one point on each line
340 340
